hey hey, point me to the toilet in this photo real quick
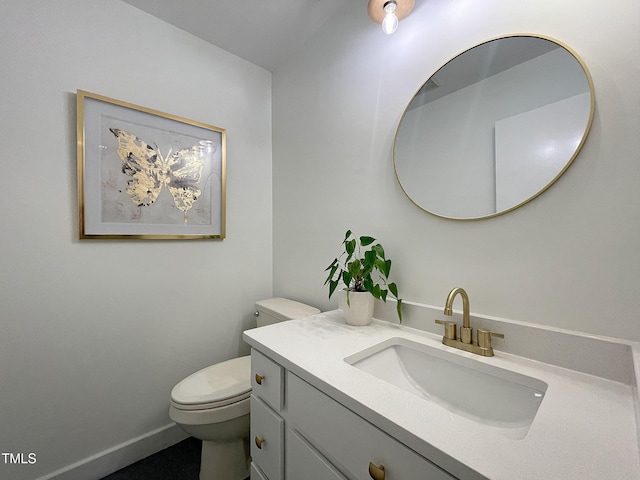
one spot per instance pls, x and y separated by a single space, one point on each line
213 403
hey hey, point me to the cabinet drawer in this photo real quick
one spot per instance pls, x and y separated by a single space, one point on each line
267 380
350 442
304 462
267 439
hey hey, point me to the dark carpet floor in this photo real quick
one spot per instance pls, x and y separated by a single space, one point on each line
179 462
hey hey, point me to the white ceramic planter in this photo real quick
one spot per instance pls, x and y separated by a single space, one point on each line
359 310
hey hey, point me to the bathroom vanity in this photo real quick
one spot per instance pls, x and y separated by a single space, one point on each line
300 438
321 408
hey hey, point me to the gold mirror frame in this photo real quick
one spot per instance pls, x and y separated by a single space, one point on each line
528 198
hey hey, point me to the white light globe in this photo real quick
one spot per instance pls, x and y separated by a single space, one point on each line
390 23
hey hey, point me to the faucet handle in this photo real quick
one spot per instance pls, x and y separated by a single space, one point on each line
449 329
484 338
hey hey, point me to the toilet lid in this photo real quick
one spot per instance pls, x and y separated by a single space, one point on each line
220 384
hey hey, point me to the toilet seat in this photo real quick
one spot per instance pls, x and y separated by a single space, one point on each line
216 386
209 405
208 416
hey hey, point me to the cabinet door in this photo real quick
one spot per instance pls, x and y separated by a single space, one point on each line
267 439
256 474
303 462
349 442
267 380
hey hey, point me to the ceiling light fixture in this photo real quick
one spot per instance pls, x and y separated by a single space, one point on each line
389 12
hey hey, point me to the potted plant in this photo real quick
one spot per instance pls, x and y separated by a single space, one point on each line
364 274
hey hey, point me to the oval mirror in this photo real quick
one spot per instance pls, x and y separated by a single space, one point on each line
494 127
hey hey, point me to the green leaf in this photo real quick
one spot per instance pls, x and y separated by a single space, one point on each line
346 235
394 289
379 250
332 273
377 292
332 286
370 257
355 268
332 264
381 265
350 247
399 309
364 241
387 268
346 278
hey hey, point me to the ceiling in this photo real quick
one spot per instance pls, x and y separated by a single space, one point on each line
260 31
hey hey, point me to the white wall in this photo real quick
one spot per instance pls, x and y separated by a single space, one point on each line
569 259
94 334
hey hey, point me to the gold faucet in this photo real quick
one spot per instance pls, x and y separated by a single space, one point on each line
466 332
482 346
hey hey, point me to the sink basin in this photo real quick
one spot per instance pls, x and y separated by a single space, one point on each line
490 395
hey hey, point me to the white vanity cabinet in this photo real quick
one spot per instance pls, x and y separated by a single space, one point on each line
327 419
308 435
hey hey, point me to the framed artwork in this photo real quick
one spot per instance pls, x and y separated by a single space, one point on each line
144 174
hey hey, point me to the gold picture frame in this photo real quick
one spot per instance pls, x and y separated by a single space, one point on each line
145 174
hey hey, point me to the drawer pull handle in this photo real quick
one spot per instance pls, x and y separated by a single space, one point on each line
259 442
259 378
377 473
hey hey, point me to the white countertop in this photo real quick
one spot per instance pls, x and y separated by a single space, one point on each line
585 427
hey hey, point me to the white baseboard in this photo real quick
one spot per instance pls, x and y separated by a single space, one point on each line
115 458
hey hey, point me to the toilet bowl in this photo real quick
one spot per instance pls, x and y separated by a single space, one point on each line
213 403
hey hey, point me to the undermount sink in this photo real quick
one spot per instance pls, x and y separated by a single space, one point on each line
495 397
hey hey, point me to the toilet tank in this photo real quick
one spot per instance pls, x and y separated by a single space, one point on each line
274 310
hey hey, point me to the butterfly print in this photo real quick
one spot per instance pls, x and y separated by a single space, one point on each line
150 171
